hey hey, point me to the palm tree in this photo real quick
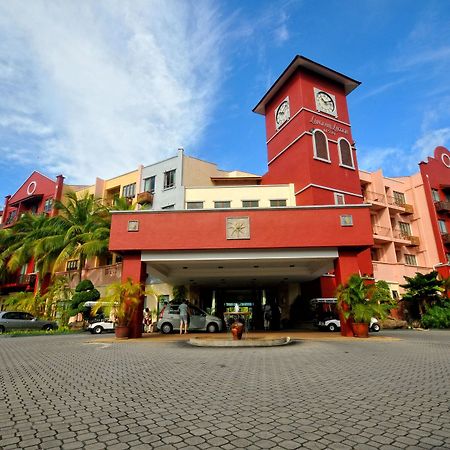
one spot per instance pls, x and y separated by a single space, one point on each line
422 290
19 244
80 231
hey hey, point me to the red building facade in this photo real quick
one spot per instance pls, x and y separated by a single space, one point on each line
436 176
309 144
37 195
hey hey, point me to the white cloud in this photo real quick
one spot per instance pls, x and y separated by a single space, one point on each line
105 86
425 145
372 159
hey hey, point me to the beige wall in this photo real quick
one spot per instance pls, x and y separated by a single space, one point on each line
236 194
390 264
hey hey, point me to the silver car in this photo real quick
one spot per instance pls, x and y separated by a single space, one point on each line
199 320
16 320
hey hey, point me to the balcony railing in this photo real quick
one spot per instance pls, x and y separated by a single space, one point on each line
372 196
442 206
100 276
381 231
145 198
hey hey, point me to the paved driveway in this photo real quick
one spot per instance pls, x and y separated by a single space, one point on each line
80 392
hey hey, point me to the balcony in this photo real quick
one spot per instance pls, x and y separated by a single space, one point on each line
443 207
381 235
414 241
401 238
145 198
396 205
377 200
446 238
23 282
100 276
408 209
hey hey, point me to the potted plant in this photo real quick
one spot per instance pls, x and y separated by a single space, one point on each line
359 300
121 303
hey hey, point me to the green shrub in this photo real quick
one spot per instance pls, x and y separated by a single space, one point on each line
84 292
84 285
437 316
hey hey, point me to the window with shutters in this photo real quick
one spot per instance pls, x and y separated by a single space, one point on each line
320 143
410 260
345 153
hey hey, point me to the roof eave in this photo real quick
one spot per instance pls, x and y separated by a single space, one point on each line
300 61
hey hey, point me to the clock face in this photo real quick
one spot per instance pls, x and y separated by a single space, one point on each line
282 114
325 102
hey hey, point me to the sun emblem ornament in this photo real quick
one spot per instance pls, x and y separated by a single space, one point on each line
238 228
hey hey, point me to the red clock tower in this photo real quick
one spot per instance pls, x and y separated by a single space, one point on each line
308 132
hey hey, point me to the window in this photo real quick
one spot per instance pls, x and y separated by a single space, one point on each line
275 203
48 205
345 153
72 264
169 179
410 260
448 258
226 204
375 254
11 217
194 205
129 190
149 184
339 199
442 226
250 203
399 198
405 228
435 195
320 143
395 295
168 207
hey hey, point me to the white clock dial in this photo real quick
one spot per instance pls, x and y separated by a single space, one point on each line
325 102
282 113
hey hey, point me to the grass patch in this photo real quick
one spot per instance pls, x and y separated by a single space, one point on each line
21 333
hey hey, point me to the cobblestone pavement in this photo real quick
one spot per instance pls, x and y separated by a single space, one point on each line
79 392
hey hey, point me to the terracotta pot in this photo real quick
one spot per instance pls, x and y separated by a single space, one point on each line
360 330
121 331
237 328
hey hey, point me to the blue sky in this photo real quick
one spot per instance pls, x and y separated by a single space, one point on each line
95 88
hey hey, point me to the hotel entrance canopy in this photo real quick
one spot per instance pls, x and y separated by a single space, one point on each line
260 245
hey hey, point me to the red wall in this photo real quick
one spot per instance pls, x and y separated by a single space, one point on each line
435 174
297 164
274 228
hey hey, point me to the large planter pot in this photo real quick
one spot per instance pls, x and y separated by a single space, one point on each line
121 331
360 330
237 328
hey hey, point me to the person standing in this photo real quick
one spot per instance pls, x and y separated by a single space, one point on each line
183 308
267 310
147 321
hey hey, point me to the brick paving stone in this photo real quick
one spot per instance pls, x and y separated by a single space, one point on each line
316 394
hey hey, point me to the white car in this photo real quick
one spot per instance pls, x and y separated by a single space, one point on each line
101 326
333 324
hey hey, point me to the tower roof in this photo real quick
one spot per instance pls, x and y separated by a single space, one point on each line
348 83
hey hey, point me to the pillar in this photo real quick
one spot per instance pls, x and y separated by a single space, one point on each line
350 262
58 193
134 268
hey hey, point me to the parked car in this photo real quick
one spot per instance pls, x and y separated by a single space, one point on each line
99 326
17 320
334 324
199 320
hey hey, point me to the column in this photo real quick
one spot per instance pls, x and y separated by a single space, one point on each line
134 268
